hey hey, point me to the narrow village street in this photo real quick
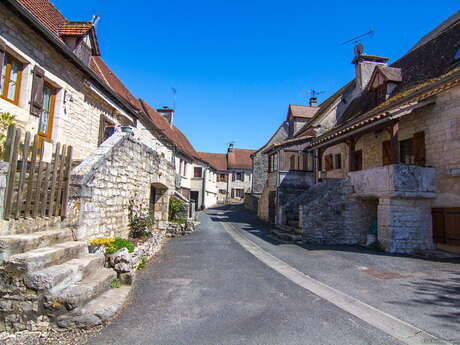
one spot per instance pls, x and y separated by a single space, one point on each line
207 288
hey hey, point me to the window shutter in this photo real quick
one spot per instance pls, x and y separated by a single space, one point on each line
2 55
233 177
419 148
328 162
386 152
36 103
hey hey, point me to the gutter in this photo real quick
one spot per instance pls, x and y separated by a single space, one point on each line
392 117
69 54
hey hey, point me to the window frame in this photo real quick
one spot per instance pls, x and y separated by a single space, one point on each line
47 136
198 169
4 95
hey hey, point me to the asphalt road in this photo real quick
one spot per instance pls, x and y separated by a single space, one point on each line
207 289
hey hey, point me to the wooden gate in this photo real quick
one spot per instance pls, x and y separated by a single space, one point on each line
446 225
37 181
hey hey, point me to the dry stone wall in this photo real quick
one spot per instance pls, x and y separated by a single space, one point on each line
116 180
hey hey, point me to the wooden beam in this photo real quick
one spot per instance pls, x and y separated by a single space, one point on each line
395 157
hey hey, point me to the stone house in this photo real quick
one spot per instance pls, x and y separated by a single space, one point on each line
233 173
388 160
195 178
288 168
55 83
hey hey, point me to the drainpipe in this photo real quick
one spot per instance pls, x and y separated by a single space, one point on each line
203 191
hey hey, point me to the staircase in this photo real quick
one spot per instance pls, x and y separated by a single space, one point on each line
50 280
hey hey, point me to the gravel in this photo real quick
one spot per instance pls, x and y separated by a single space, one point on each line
52 337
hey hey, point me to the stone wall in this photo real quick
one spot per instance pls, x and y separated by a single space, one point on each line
260 160
330 214
116 180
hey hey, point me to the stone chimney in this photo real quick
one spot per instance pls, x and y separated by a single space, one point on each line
364 67
313 102
167 113
230 147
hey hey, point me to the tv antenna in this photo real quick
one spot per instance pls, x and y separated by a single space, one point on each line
231 143
174 93
314 93
359 48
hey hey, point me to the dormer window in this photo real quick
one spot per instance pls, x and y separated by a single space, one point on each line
383 81
81 38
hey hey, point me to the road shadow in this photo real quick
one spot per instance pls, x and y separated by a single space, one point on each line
252 224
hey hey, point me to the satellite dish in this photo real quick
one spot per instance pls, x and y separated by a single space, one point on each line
359 49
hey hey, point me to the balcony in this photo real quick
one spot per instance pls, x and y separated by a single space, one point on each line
396 181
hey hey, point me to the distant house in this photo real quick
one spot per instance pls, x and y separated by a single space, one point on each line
234 173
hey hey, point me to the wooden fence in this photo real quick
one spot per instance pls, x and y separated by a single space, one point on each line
37 181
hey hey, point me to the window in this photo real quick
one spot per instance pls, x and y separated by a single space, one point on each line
10 79
338 161
292 162
238 193
307 161
240 176
222 191
406 152
197 172
106 127
184 173
45 122
273 162
222 177
328 162
380 93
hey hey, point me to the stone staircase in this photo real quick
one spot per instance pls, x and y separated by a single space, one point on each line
50 280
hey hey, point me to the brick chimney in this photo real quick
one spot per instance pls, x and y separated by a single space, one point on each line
364 67
167 113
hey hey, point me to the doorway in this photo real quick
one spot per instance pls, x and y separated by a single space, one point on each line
194 196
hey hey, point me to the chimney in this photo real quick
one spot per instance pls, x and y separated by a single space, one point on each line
230 147
364 66
313 102
167 113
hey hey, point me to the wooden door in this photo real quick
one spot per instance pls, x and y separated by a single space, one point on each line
446 225
271 206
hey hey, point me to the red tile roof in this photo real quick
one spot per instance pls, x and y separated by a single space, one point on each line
170 132
217 160
75 28
240 159
53 20
99 66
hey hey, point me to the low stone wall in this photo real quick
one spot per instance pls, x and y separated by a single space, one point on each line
332 215
118 178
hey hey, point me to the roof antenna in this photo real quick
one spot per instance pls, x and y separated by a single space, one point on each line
95 19
174 92
359 48
231 144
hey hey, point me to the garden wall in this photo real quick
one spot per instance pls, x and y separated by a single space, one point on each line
122 176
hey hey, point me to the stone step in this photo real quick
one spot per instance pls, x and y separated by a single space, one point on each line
43 257
58 277
20 243
97 311
82 292
32 225
287 236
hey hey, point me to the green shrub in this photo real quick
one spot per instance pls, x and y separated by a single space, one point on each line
115 284
141 264
140 226
6 119
176 207
113 245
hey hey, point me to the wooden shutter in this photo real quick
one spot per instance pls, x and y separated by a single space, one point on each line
101 130
233 176
36 102
419 148
328 162
386 152
2 56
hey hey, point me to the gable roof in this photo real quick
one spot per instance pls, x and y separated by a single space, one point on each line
239 158
301 111
217 160
56 24
172 133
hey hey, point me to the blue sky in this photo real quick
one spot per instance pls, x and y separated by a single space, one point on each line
237 64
